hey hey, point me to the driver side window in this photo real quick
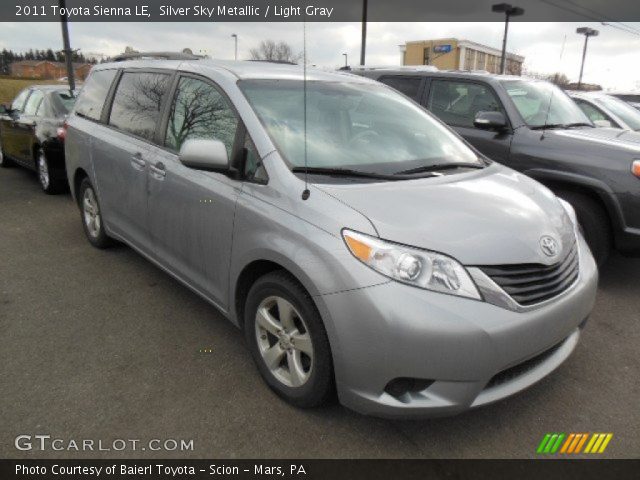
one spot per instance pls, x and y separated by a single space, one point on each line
458 103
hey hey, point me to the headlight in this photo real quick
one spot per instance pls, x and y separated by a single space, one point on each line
420 268
571 212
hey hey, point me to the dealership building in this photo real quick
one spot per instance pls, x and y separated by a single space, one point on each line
455 54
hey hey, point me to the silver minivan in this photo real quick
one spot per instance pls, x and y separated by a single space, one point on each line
364 248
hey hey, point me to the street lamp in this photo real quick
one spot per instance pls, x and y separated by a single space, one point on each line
363 44
509 11
235 37
587 32
346 59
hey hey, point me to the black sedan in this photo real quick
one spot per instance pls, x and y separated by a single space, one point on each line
32 133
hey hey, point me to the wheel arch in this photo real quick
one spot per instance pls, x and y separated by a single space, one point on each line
79 175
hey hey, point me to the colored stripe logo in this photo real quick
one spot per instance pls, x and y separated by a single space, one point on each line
574 443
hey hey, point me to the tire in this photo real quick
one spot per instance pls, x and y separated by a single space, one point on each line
91 216
49 185
594 224
300 368
4 161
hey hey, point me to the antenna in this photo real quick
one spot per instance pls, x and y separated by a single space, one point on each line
305 193
546 117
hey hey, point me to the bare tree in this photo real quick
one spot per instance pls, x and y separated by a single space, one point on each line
272 51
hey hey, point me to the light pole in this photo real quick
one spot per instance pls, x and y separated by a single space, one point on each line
587 32
509 11
235 37
363 45
67 48
346 59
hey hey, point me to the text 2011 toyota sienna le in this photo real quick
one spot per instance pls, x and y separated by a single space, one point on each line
405 270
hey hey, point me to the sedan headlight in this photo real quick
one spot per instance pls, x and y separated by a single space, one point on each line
571 213
420 268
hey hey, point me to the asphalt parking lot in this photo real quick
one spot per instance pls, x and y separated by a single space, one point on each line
103 345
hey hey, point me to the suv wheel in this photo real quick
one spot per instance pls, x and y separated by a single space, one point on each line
594 224
91 216
49 185
288 340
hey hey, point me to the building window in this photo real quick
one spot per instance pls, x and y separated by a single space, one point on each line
425 56
480 61
470 60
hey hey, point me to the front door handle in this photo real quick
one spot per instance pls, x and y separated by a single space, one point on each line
137 161
158 170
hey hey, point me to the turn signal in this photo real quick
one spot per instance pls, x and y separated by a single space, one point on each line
360 250
635 168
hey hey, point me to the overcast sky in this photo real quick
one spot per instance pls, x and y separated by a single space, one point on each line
613 58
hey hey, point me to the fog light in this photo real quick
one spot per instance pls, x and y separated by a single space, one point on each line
400 386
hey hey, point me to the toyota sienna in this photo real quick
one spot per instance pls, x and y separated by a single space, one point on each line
363 246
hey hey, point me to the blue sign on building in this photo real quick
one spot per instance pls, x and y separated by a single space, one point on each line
442 48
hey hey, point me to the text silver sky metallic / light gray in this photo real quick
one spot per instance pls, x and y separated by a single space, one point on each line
417 278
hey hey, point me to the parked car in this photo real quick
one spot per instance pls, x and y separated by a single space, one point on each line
607 111
632 98
31 133
535 128
360 243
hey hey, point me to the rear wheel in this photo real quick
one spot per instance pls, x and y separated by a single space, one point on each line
92 216
50 186
288 340
594 224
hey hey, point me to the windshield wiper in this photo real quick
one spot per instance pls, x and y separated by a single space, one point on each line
439 166
342 172
548 126
579 124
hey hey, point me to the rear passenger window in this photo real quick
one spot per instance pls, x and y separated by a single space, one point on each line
199 110
137 103
18 103
410 86
33 103
458 103
93 94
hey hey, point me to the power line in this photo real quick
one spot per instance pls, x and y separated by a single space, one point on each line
597 18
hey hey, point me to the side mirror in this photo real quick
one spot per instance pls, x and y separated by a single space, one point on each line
204 154
490 121
602 123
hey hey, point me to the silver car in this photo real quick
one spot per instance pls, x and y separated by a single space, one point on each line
607 111
363 246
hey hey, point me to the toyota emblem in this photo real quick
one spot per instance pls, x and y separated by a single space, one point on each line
549 246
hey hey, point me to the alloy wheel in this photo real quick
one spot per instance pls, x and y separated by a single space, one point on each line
43 171
91 213
284 341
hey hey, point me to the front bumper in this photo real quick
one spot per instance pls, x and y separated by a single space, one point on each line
392 331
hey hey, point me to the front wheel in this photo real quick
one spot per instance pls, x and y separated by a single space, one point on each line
288 340
91 216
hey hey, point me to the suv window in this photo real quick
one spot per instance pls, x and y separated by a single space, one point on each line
199 110
93 94
35 99
592 112
137 104
18 102
410 86
458 103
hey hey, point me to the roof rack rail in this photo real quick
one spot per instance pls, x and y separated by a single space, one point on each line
279 62
408 68
156 56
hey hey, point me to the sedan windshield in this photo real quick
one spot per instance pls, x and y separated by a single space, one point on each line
353 126
543 104
626 112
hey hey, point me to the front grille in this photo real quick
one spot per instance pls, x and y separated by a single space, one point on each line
522 368
532 283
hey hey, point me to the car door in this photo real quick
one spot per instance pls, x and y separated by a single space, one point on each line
457 102
25 129
191 211
122 153
9 131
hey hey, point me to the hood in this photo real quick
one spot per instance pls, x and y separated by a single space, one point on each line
602 137
493 216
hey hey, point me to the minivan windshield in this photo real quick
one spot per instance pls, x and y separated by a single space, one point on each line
543 104
353 126
622 109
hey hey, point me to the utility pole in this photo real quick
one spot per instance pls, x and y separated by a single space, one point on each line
509 11
587 32
235 36
363 45
67 47
346 59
